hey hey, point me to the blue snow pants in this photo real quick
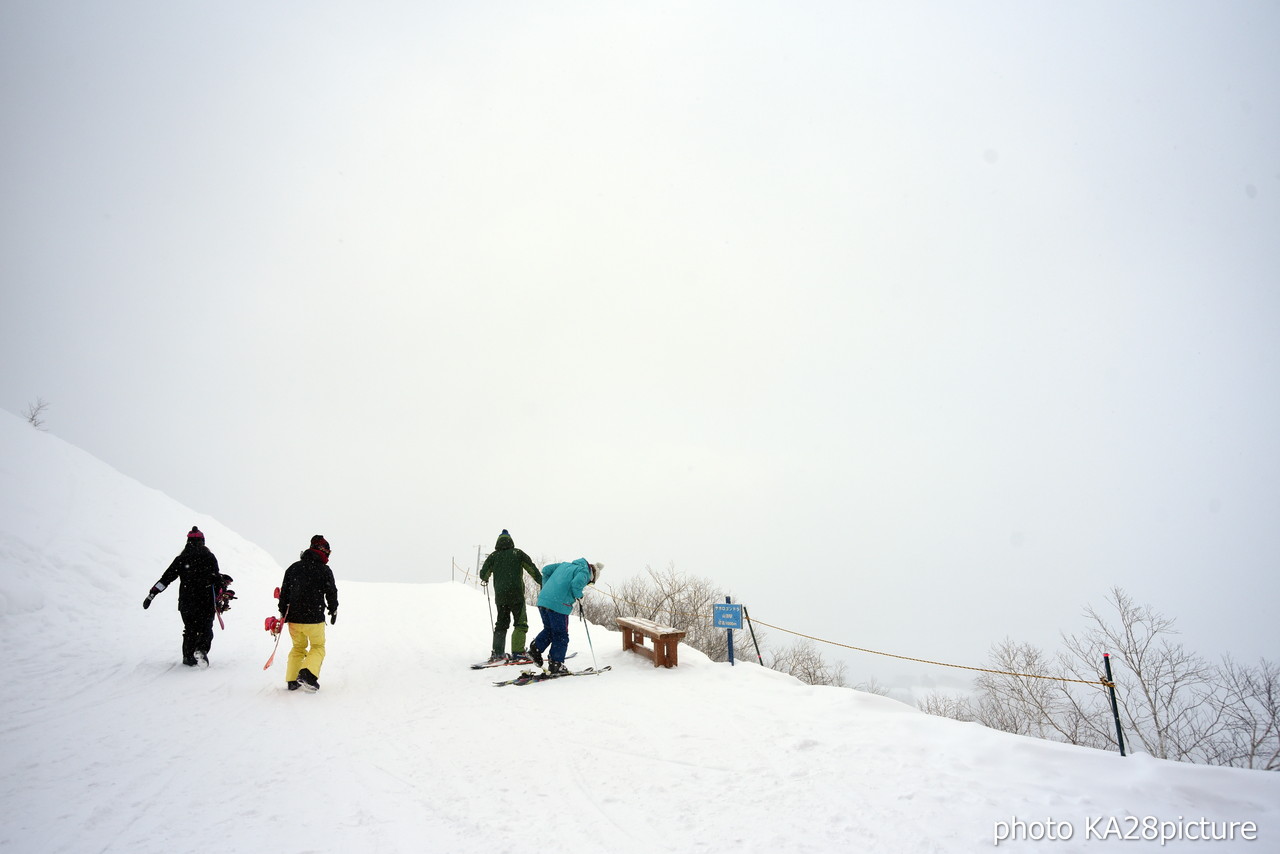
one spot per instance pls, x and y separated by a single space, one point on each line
554 637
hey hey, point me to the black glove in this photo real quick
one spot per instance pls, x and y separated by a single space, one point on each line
151 594
333 617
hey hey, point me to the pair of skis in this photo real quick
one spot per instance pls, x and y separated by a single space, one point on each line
528 677
485 665
531 675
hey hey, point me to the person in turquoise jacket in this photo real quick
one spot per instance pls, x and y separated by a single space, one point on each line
562 585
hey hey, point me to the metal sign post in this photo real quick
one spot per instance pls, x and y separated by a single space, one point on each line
727 616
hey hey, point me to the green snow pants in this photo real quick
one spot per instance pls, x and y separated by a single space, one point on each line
507 614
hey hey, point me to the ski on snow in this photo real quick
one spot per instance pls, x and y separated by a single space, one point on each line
528 677
484 665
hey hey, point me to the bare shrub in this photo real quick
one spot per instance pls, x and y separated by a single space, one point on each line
35 413
947 706
872 686
803 661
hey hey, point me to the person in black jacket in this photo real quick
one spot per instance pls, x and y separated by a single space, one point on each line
308 588
197 596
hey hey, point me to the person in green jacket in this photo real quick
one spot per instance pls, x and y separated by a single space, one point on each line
504 565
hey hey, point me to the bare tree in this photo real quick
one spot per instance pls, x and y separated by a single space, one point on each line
674 599
1172 702
1249 703
1024 697
35 413
1164 691
685 602
1162 688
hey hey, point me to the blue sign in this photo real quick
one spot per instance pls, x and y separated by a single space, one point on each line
725 616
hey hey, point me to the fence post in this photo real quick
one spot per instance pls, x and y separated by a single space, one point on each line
747 615
1115 710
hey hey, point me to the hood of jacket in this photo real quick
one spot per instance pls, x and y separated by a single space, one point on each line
504 542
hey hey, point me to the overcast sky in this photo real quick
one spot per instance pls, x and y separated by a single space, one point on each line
914 325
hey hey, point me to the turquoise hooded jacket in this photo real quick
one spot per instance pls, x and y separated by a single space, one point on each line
562 585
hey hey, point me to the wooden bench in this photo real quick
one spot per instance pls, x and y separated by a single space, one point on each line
666 640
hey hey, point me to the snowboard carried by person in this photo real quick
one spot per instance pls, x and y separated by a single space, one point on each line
222 596
274 626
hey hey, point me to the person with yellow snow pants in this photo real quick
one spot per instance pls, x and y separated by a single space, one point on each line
308 588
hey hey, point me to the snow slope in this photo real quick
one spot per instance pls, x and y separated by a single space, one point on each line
108 744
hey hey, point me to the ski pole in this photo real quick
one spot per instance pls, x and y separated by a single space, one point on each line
587 629
485 585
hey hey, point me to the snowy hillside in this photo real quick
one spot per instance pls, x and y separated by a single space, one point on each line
109 744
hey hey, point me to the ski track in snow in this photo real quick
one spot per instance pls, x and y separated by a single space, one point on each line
110 745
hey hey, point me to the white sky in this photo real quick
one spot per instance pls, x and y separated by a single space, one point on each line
916 326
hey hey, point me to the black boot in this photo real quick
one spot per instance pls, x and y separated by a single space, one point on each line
557 667
535 654
307 681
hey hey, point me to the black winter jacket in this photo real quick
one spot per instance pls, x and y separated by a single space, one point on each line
308 585
198 569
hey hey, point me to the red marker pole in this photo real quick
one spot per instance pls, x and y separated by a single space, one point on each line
1115 710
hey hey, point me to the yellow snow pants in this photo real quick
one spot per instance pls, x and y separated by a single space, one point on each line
305 634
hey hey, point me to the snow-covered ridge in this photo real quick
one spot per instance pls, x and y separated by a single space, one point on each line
109 744
76 533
